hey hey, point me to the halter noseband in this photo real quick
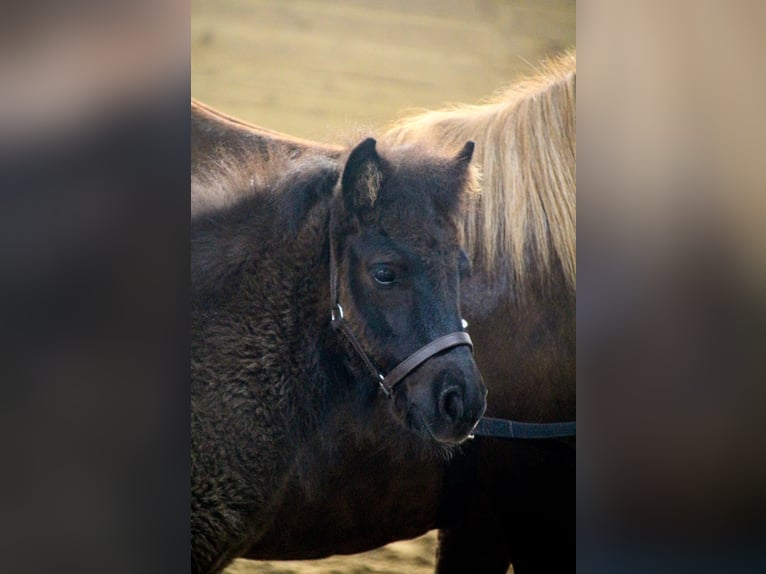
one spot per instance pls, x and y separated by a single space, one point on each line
399 372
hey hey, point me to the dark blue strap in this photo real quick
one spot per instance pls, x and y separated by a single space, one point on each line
502 428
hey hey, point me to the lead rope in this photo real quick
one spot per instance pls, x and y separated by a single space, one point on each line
504 428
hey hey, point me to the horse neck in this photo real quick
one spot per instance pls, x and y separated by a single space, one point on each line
524 339
308 258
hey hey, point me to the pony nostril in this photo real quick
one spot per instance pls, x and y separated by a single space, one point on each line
451 403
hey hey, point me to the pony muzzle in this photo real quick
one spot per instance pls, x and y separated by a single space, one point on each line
449 395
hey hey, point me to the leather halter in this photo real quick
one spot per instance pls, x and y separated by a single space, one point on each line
399 372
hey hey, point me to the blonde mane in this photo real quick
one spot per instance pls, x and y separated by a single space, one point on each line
525 149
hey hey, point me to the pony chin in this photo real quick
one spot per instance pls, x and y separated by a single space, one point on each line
415 434
441 402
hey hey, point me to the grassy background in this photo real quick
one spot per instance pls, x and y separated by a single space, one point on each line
318 69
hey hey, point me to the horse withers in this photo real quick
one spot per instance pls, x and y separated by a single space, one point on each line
314 300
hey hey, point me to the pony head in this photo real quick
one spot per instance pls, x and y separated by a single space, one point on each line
397 245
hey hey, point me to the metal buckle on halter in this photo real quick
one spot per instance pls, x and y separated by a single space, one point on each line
383 388
339 309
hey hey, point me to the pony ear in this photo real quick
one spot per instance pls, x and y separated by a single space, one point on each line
362 177
463 157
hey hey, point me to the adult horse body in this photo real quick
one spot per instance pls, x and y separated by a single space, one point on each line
297 290
495 501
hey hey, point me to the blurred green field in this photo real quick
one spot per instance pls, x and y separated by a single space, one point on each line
319 69
315 68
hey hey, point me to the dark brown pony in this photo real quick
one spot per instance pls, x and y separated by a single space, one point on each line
497 501
308 300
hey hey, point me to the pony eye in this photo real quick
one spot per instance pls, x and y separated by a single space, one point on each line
384 275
